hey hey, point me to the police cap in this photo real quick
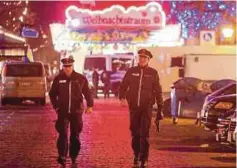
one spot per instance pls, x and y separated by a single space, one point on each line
67 61
145 53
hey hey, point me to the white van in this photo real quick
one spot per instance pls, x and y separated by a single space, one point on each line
23 81
106 61
110 62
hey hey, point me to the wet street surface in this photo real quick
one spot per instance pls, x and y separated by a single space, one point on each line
28 140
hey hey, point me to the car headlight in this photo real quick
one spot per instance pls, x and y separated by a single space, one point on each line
224 105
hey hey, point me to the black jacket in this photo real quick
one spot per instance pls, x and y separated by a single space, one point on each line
66 93
95 77
105 77
141 87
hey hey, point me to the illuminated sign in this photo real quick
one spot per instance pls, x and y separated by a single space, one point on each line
207 37
29 33
111 36
65 39
150 16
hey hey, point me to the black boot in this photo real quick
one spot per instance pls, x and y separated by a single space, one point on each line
143 164
135 162
73 160
62 161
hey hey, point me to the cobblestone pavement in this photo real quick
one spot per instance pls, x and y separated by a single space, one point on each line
28 140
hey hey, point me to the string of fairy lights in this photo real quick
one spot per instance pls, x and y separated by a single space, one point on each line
197 15
16 14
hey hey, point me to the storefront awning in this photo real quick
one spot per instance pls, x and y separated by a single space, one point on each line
9 40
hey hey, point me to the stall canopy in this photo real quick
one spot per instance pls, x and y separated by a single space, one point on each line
8 40
13 47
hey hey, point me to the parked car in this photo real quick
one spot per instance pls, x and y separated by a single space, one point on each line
226 90
223 125
23 81
217 107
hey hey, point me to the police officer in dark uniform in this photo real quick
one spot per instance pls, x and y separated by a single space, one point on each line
66 95
141 88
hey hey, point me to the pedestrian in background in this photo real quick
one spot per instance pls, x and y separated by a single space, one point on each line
95 81
66 95
105 78
141 87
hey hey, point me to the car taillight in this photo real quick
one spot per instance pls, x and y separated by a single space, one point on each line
10 83
24 84
224 105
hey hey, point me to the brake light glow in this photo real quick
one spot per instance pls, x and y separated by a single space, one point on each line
10 83
24 83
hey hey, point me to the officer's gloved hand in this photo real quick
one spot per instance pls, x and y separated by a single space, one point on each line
89 110
159 117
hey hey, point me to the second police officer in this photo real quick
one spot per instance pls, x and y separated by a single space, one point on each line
141 88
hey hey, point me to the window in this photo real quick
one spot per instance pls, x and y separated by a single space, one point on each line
177 62
122 64
24 70
91 63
